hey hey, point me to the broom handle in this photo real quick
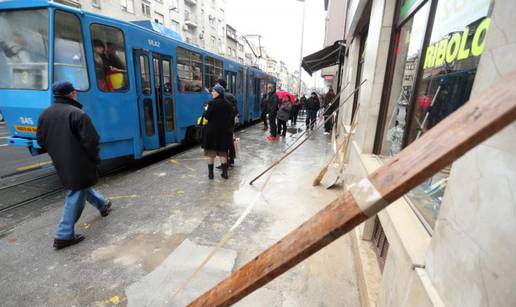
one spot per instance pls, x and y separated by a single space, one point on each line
328 118
302 142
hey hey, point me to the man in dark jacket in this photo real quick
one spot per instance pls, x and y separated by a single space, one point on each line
273 104
312 106
68 135
328 110
232 100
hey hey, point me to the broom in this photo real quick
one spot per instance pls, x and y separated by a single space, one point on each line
344 145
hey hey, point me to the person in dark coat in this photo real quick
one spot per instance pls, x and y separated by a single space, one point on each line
263 107
68 135
219 130
312 106
328 110
272 102
284 115
232 100
295 112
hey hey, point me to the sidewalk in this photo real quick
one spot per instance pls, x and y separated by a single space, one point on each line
166 219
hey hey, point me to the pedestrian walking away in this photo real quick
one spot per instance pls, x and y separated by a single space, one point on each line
68 135
272 102
328 98
263 106
284 115
295 112
232 100
219 130
312 106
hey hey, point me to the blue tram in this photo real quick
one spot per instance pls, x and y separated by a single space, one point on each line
143 87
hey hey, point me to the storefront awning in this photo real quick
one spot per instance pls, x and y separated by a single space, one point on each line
329 56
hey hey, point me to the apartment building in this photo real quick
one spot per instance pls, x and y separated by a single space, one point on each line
200 22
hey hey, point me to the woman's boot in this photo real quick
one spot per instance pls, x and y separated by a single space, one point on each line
225 170
210 171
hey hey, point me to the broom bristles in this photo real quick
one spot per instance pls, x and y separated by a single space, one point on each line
319 178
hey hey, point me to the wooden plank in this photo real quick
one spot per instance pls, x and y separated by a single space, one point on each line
477 120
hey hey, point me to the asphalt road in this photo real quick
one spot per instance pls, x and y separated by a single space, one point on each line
17 161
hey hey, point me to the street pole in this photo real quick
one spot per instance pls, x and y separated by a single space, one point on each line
301 51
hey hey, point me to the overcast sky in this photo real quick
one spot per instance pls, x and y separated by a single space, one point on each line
279 23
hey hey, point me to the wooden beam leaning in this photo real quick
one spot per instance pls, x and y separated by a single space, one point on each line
477 120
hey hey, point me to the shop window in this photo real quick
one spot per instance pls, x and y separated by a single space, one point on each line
189 70
213 70
409 40
430 83
109 56
24 49
69 58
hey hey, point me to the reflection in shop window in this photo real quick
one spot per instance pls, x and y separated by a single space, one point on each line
189 71
450 64
109 55
24 49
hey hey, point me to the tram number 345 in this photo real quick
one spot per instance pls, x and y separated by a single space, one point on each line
27 120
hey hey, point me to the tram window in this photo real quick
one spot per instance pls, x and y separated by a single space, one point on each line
233 84
69 59
189 70
145 75
24 49
167 76
213 69
109 55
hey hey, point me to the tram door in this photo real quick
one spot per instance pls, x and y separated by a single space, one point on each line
164 97
146 103
244 95
231 80
258 96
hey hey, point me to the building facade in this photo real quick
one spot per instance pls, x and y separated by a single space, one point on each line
334 31
450 240
200 22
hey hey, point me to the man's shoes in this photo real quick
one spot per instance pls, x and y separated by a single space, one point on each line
106 210
59 244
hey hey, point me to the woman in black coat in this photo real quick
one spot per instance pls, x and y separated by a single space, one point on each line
219 130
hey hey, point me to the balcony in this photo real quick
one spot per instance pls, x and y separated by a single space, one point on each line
190 20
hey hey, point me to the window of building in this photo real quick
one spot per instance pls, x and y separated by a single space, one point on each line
189 70
146 9
24 49
95 3
213 70
127 5
431 81
174 5
380 243
159 18
175 25
69 55
109 55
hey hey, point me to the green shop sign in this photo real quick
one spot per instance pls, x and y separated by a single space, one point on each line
456 46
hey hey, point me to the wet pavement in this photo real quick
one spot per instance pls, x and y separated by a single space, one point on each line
167 217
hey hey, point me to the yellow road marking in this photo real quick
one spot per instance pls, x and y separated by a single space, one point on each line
32 166
186 166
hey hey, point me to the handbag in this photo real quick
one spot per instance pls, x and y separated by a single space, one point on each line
200 128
